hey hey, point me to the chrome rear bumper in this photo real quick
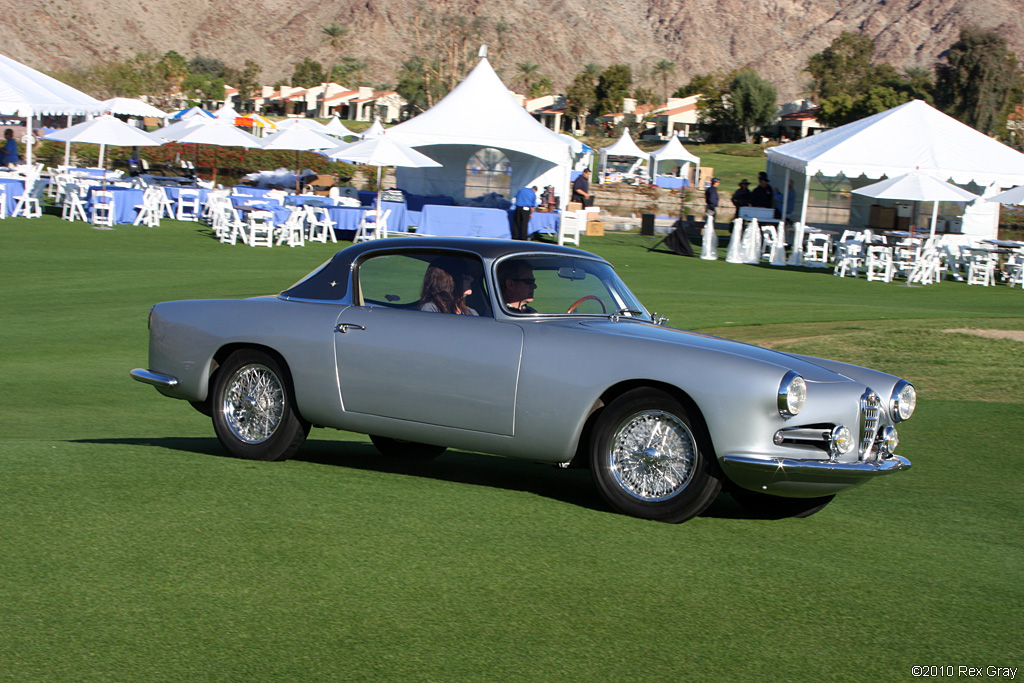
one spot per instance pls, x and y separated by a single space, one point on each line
157 379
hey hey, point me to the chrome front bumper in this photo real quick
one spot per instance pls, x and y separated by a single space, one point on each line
157 379
804 478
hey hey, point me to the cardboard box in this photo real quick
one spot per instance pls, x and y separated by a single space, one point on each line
881 217
595 228
573 206
903 223
706 174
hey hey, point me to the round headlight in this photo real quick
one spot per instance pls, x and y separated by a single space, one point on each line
890 440
841 441
792 394
904 400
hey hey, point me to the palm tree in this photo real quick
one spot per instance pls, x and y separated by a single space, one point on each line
662 71
526 72
334 35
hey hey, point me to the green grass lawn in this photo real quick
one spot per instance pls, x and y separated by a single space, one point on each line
133 549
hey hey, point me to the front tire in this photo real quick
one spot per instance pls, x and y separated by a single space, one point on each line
650 460
253 408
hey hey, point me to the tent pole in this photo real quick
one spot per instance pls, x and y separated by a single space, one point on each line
803 203
935 216
67 147
103 148
28 145
785 198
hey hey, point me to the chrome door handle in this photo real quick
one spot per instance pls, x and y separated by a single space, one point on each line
345 327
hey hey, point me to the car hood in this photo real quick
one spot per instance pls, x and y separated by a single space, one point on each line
805 366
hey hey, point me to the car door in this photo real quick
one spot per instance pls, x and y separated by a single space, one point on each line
441 369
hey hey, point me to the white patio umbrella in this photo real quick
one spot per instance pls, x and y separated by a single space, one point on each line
310 124
381 151
918 187
127 106
375 130
207 131
105 130
300 139
336 128
1015 195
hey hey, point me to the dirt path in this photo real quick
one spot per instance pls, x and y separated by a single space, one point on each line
1016 335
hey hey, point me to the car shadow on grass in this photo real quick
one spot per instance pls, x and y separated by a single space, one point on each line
573 486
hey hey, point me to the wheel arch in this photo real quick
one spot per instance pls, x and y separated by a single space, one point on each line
222 355
616 390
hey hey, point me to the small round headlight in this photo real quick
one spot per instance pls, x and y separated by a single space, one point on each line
903 401
841 441
792 394
890 440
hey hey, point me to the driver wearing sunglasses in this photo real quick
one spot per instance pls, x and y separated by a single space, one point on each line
517 285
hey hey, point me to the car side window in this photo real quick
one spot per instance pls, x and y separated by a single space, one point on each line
410 281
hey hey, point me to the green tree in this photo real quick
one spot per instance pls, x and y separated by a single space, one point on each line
580 97
593 70
246 82
307 73
414 85
526 72
351 71
613 87
663 71
334 36
980 81
752 102
697 86
540 87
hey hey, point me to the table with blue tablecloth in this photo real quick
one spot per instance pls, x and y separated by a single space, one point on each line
347 218
245 204
543 221
463 221
13 188
670 182
126 199
246 191
173 193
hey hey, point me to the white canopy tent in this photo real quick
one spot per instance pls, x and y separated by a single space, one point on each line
375 130
481 113
912 136
127 106
624 147
674 151
30 93
336 128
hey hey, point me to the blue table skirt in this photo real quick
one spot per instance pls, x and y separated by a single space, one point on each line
545 222
279 212
670 182
13 189
245 191
125 202
463 221
172 193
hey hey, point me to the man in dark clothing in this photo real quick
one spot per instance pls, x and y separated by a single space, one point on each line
525 200
711 198
762 195
741 197
581 189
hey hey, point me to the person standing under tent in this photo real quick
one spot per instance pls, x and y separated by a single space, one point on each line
741 197
762 196
10 149
524 200
581 189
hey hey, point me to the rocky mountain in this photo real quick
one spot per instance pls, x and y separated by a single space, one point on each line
700 36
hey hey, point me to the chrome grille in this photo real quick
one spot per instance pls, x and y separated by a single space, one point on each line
870 414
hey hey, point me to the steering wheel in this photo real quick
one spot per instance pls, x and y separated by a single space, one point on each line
581 300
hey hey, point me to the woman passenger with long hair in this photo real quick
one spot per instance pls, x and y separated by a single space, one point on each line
446 284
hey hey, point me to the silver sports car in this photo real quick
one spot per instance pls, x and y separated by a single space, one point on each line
533 351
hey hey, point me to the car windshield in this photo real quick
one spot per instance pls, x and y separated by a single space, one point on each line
554 284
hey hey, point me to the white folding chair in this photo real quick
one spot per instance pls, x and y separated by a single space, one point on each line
370 228
29 204
849 258
261 229
102 208
3 201
226 225
150 209
1013 273
189 208
817 250
879 264
570 225
926 268
981 269
74 203
321 227
293 231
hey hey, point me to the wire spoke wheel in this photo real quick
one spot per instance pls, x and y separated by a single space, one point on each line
653 455
254 403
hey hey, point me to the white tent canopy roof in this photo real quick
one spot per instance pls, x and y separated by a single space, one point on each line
481 111
25 91
674 151
336 127
127 106
908 137
624 147
375 130
916 186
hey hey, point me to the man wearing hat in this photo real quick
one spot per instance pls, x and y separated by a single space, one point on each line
711 197
741 197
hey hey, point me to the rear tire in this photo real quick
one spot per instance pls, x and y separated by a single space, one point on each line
776 507
650 460
253 408
412 450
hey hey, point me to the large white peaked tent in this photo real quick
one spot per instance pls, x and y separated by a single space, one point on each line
673 150
481 112
29 93
623 147
912 136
